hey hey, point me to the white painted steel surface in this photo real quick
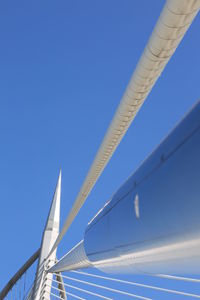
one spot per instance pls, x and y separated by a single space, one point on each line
175 19
75 258
165 238
49 236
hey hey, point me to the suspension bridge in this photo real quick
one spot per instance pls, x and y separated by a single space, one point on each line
151 225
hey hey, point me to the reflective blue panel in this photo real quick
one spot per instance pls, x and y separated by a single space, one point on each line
156 210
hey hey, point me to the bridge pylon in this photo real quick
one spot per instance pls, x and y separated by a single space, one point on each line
43 280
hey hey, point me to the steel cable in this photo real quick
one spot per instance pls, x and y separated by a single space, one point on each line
140 285
107 288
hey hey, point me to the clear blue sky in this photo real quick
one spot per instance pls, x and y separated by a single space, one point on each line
64 66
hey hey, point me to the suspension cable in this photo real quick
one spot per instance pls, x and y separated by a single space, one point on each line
155 57
56 288
107 288
86 291
29 292
24 285
16 291
19 273
67 293
20 288
179 278
139 284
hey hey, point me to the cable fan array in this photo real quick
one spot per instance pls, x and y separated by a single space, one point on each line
95 285
173 23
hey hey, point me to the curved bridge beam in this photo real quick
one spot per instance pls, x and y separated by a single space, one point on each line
19 273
